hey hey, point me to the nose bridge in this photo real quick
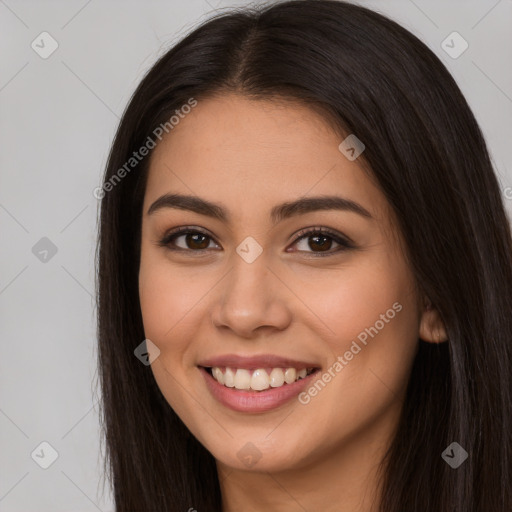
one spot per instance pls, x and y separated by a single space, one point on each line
248 280
250 297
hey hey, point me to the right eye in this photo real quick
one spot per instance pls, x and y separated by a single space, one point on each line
194 240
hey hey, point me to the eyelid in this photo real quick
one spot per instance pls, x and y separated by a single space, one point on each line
325 231
165 240
343 241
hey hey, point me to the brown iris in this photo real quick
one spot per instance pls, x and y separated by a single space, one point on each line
327 242
192 238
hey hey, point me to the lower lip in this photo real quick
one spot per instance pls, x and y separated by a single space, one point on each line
254 401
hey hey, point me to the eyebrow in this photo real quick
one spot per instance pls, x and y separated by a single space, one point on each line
277 214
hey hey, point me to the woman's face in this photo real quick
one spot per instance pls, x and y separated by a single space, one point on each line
253 293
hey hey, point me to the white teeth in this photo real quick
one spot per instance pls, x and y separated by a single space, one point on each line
290 375
242 379
259 380
219 376
276 377
229 378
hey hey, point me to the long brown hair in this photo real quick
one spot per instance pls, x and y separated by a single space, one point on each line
427 155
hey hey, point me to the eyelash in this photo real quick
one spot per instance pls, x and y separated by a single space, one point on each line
305 233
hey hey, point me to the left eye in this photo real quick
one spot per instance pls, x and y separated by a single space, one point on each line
320 241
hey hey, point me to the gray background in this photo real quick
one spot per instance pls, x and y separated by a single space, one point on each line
58 117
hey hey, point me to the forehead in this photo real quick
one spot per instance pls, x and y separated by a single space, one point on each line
252 153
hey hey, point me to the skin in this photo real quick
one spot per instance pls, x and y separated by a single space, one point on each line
250 156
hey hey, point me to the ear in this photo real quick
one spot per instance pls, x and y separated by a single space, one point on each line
432 328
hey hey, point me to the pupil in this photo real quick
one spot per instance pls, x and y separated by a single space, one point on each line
196 235
315 238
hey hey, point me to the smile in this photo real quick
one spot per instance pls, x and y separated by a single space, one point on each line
259 379
255 384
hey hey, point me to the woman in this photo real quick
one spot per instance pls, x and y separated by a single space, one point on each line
305 282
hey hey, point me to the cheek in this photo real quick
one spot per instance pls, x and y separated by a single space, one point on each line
167 307
354 299
159 305
167 296
373 322
174 309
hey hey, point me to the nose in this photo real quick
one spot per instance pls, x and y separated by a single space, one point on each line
252 298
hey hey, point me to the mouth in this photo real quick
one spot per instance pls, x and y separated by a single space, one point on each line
257 379
243 386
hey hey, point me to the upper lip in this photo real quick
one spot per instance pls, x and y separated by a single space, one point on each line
255 362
